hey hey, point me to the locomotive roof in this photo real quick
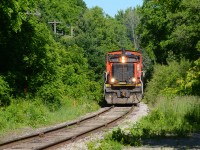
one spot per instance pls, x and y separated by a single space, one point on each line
124 50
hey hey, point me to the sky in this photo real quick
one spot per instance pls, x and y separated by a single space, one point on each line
111 7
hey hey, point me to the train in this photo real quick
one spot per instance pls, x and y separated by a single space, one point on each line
123 78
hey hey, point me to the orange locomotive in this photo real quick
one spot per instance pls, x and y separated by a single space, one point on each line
123 82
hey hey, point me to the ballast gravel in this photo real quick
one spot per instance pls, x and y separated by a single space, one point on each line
81 144
191 143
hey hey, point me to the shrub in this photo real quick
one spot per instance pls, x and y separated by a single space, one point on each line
165 78
22 113
191 83
52 94
4 92
176 116
172 117
107 143
193 115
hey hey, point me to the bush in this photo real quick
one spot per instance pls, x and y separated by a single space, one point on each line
4 92
172 117
177 116
33 113
22 113
193 115
108 143
191 83
52 94
165 80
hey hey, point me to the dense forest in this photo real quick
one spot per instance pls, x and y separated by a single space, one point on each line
48 67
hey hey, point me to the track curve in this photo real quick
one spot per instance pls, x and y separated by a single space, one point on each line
69 131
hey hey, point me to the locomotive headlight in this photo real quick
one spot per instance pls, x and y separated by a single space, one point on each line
123 59
113 80
133 79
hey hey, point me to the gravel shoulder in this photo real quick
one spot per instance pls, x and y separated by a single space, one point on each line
25 131
192 142
81 144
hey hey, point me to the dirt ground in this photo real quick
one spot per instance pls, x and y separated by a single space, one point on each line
192 142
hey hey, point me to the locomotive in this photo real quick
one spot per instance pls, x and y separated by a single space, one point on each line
123 79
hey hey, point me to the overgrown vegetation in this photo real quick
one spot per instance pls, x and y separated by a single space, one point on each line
24 112
166 80
108 143
40 67
168 32
172 115
44 74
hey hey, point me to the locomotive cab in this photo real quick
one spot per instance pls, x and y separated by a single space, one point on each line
123 77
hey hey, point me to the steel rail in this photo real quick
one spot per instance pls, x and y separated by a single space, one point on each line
51 138
68 124
86 131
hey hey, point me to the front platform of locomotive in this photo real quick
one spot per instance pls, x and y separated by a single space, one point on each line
123 77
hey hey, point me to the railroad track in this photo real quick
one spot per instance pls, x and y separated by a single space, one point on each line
68 132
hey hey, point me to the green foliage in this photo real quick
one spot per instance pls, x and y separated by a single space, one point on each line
126 138
98 34
42 60
52 95
179 116
40 66
130 18
193 115
77 76
4 92
170 26
33 113
32 59
22 113
72 109
64 11
13 14
165 80
191 83
107 143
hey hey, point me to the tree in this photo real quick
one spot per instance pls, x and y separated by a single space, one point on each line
130 18
64 11
13 13
169 27
184 36
98 34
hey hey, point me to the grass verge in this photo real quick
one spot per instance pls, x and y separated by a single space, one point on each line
26 113
171 117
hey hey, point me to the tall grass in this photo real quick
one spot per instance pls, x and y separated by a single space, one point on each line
165 80
73 109
106 144
177 116
172 117
172 114
33 113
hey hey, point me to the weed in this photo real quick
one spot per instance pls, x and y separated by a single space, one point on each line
171 117
33 113
108 144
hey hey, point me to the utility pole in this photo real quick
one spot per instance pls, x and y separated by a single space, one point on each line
71 30
54 25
